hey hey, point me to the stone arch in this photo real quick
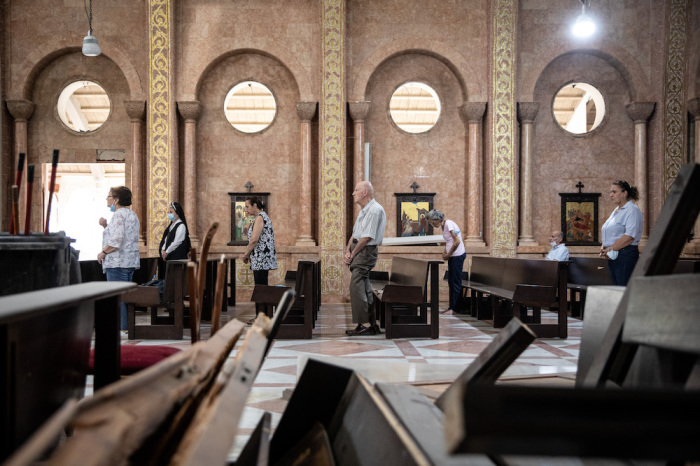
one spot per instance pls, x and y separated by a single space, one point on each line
23 81
623 62
260 47
454 60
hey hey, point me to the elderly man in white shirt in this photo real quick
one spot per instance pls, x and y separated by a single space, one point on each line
361 256
559 251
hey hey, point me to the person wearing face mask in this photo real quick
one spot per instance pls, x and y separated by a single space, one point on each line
175 243
621 233
120 241
559 251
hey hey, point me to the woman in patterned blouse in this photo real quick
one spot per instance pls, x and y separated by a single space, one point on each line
120 241
261 250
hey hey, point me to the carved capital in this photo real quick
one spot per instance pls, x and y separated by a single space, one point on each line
358 111
190 110
694 107
135 109
640 111
306 110
472 112
527 111
20 109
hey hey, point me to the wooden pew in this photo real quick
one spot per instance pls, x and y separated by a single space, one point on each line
299 322
585 272
45 344
520 283
168 327
91 271
402 301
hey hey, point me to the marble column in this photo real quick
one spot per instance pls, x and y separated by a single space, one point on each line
358 113
21 111
136 110
694 109
472 114
190 112
306 112
640 112
527 111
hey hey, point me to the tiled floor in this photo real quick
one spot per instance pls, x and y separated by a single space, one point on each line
461 339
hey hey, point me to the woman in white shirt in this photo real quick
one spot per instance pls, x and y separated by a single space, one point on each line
454 254
621 233
120 241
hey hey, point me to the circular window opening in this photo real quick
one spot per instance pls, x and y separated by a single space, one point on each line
83 106
250 107
415 107
578 108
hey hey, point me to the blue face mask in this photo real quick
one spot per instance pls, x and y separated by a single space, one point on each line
171 217
112 207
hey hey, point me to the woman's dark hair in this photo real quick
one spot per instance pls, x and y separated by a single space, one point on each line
255 200
179 211
632 191
123 194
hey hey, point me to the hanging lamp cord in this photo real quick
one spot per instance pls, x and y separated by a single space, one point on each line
89 15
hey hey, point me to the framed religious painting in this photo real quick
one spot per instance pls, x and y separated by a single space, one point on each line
579 219
412 214
240 223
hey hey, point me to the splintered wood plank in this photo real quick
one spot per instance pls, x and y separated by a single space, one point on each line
213 429
492 361
113 424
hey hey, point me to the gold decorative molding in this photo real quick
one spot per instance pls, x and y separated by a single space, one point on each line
332 113
160 116
503 138
675 123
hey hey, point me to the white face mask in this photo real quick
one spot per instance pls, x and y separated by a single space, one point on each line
553 243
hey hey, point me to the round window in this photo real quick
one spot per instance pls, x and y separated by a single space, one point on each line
83 106
250 107
415 107
578 108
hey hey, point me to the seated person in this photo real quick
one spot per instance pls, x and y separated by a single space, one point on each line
559 251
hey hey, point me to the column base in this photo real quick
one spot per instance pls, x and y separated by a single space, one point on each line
305 241
527 241
474 242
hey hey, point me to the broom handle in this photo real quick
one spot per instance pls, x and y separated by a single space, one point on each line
52 186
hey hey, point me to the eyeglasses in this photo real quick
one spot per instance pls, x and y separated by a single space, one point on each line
110 196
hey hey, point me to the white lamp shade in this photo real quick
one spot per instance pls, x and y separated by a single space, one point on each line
584 26
90 46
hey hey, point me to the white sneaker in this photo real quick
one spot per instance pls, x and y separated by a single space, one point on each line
124 334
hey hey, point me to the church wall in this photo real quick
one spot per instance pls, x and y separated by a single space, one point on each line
435 159
228 158
46 131
561 159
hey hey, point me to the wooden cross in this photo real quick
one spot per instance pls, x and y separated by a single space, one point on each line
249 186
415 186
580 186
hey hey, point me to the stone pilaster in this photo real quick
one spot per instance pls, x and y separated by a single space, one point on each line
306 112
190 112
472 113
527 111
136 110
358 113
640 112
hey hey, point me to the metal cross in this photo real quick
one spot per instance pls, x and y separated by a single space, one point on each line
249 186
414 186
580 186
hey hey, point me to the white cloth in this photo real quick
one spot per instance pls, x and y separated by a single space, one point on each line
452 226
122 233
370 223
626 220
558 253
179 236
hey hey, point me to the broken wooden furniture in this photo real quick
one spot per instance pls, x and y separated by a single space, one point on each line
513 286
403 300
45 342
